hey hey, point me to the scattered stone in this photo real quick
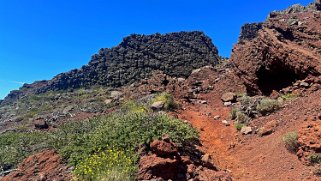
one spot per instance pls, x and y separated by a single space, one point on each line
229 97
115 95
108 101
227 104
203 102
246 130
268 128
163 148
207 161
226 123
217 117
41 124
304 84
157 105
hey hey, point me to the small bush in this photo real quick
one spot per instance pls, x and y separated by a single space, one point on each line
233 113
290 141
108 165
238 126
267 106
168 99
288 96
315 158
242 118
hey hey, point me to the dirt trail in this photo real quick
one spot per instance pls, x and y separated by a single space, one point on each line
251 157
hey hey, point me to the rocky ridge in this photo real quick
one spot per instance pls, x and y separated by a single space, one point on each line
275 54
176 54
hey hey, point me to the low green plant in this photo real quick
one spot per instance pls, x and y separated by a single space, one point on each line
288 96
168 99
15 146
267 106
290 141
109 165
233 113
315 158
238 126
242 118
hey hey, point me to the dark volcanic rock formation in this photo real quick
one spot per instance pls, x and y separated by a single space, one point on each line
286 48
176 54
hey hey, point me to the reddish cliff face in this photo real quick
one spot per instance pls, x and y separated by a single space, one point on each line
286 48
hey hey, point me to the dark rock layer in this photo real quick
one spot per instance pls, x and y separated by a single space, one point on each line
176 54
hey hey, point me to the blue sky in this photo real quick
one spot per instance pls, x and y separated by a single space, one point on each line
41 38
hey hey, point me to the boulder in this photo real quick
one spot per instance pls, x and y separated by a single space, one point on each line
246 130
41 124
229 97
157 105
163 148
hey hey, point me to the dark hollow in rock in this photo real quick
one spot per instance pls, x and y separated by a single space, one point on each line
276 78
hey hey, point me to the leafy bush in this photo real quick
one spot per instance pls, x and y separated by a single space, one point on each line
168 99
233 113
242 118
291 141
315 158
238 126
14 146
267 106
126 131
107 165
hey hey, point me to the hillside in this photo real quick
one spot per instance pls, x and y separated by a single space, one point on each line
167 107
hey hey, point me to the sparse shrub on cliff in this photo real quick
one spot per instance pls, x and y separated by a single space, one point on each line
238 126
267 106
290 141
315 158
242 118
168 99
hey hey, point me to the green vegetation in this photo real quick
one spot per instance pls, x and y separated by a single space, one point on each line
242 118
288 96
233 113
15 146
238 126
107 165
315 158
124 130
167 99
290 141
267 106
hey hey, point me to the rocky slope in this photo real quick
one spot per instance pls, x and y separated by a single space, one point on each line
176 54
286 48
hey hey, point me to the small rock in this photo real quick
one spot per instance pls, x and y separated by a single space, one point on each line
226 123
203 102
227 104
207 161
115 94
304 84
41 124
246 130
108 101
157 105
229 97
217 117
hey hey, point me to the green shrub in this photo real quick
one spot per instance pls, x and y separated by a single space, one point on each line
267 106
76 141
233 113
15 146
290 141
315 158
242 118
168 99
288 96
109 165
238 126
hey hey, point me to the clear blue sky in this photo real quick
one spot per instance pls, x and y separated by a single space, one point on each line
41 38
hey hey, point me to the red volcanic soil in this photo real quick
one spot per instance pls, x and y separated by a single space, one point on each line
47 165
